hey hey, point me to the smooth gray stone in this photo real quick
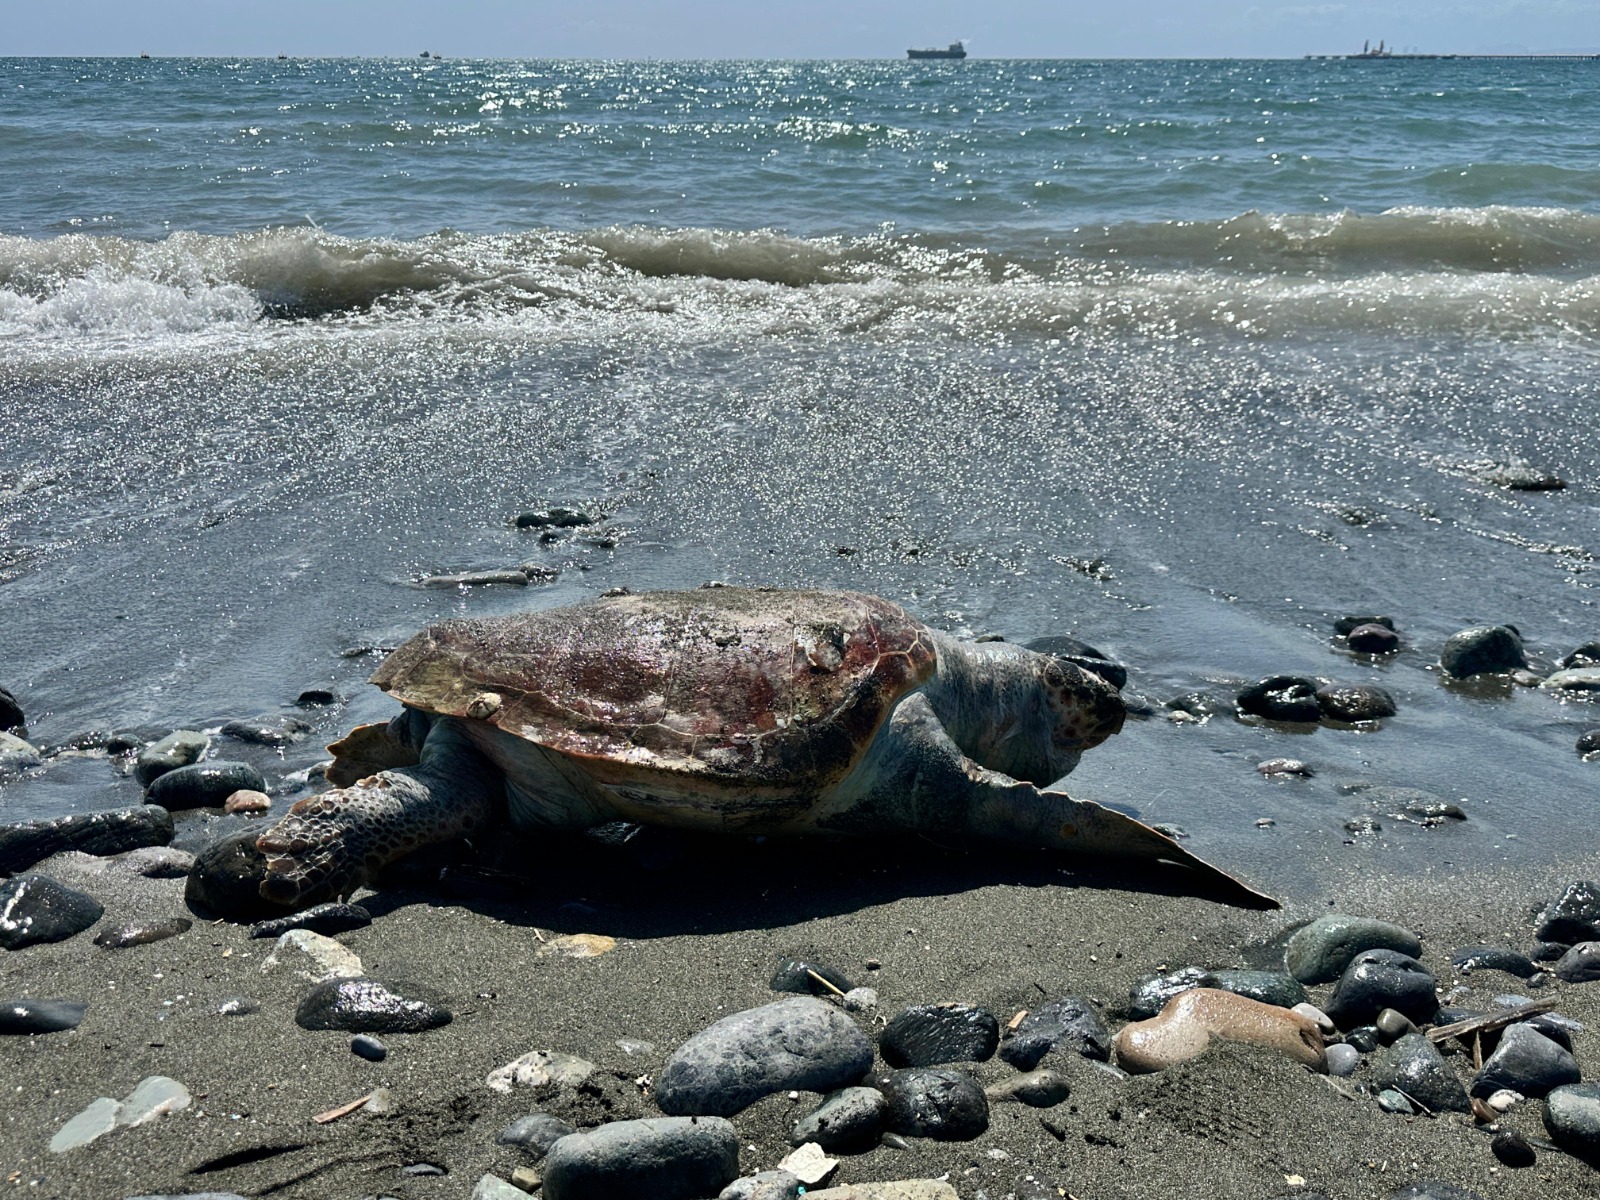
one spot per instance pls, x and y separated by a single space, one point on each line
926 1035
1493 958
1572 917
935 1102
492 1187
1149 995
17 755
102 833
799 1044
769 1185
1070 1023
1579 681
1320 952
1431 1189
1342 1060
1483 650
1528 1062
40 1016
35 908
326 919
178 749
660 1158
366 1005
1392 1026
847 1122
1269 987
795 975
1352 702
1572 1118
1581 964
270 729
535 1133
1380 979
1413 1065
142 933
1037 1089
513 578
364 1045
203 785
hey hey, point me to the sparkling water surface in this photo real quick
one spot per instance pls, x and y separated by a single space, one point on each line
1183 358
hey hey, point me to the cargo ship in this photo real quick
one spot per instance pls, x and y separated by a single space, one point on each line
954 50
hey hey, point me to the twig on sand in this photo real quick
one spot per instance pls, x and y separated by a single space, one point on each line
823 982
344 1110
1016 1020
1489 1023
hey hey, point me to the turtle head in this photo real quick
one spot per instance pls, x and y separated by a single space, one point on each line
1082 710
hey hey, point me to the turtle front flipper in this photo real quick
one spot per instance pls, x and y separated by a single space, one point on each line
329 844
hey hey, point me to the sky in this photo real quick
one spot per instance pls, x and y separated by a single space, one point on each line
785 29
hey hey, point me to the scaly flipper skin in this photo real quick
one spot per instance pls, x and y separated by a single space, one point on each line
329 844
918 778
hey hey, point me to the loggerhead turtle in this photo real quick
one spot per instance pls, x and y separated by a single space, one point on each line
727 709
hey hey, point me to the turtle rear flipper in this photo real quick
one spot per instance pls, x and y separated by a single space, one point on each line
366 750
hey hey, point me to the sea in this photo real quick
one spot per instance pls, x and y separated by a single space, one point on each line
1185 359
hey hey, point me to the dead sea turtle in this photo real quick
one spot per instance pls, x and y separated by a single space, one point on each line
728 709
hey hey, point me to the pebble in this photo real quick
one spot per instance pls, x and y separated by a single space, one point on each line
1572 1118
1525 1061
935 1102
1312 1013
203 785
1392 1025
178 749
802 1044
1574 916
1512 1149
1353 702
1432 1189
507 578
1342 1060
525 1178
1364 1038
1320 952
314 957
1483 650
1070 1024
1269 987
1190 1020
157 862
367 1005
535 1133
1589 742
1521 477
898 1189
247 802
1287 767
1408 804
1372 638
326 919
1362 826
768 1185
1493 958
316 698
848 1122
271 729
1392 1101
1505 1100
11 714
1586 655
1581 964
1037 1089
809 1164
152 1097
237 1006
17 755
541 1070
1380 979
553 518
576 945
860 999
1345 626
797 975
40 1016
661 1158
1413 1065
24 843
1150 993
1289 698
364 1045
35 909
142 933
1581 682
492 1187
926 1035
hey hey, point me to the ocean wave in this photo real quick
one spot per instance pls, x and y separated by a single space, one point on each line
1508 270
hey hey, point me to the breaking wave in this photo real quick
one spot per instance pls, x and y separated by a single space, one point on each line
1417 270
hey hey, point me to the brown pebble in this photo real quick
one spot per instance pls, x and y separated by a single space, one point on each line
247 801
1191 1019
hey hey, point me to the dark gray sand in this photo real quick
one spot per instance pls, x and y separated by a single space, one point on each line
697 941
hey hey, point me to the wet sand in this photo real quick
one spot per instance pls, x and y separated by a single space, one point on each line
699 939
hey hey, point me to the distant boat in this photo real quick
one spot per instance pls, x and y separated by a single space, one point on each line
424 54
955 50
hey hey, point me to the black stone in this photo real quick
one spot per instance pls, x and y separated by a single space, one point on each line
316 698
142 933
930 1102
203 785
1149 995
1512 1149
1373 638
664 1158
1269 987
1288 698
1487 649
40 1016
364 1045
1070 1024
1345 626
1589 742
271 729
848 1122
795 975
1380 979
1415 1067
1549 951
925 1035
1493 958
1364 1038
368 1006
1352 702
535 1133
227 877
1574 916
1554 1027
1586 655
553 518
38 909
326 919
110 832
1525 1061
1572 1117
11 715
1581 964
